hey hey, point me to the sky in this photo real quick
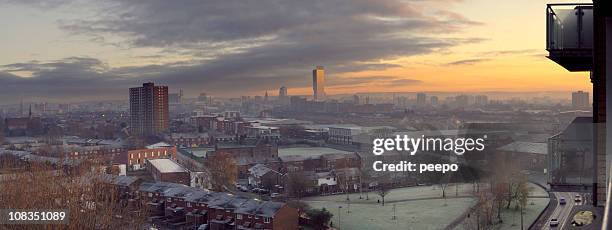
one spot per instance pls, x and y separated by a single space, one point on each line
75 50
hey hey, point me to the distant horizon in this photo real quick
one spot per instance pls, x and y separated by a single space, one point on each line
562 95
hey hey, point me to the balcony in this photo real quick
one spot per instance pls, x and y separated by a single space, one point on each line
569 35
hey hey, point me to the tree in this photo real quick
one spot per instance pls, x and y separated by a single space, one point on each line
301 206
319 218
296 185
91 200
383 189
223 171
364 178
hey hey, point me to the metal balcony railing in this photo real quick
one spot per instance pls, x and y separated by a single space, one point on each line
569 35
607 218
569 26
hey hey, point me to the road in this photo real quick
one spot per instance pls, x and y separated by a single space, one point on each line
563 212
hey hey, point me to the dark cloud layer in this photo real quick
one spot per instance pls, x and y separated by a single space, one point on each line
242 46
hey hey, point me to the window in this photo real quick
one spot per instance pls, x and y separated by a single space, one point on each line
189 204
267 219
150 194
238 216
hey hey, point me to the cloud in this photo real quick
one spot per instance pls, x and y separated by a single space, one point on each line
246 46
468 61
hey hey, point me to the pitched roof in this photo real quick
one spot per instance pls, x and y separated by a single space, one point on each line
525 147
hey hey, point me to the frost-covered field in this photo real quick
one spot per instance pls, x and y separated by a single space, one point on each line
416 208
403 194
419 214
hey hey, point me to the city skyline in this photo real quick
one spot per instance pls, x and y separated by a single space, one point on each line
89 49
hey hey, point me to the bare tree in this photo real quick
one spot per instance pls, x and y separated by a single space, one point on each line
365 177
91 201
382 190
296 185
223 171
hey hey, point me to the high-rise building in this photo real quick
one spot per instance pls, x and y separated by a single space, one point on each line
462 100
282 92
148 109
356 99
283 97
203 97
420 99
434 100
318 83
175 98
481 100
580 99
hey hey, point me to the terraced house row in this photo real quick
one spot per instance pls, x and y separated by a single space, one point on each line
179 206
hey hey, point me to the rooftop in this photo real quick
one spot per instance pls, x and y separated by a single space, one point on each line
159 145
525 147
309 151
167 165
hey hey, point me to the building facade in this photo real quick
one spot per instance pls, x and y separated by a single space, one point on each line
148 109
318 83
580 100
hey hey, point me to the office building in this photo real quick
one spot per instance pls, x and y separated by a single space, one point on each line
318 83
148 109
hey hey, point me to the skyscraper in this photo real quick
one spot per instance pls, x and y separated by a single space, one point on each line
282 96
148 109
580 99
282 92
420 99
434 101
318 83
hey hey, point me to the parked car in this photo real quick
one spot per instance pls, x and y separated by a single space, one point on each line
274 195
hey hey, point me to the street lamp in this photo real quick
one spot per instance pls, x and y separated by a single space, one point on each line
348 206
339 207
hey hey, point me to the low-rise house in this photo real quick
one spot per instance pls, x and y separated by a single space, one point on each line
136 159
179 206
167 170
261 176
190 140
